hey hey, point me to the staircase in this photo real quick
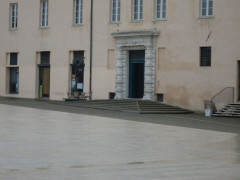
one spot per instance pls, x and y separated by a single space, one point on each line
151 107
133 106
230 110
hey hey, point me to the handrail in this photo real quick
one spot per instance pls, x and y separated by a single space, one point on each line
222 91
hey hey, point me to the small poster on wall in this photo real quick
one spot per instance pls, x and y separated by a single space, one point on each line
73 82
79 85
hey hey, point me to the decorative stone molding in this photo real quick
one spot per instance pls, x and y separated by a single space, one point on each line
135 40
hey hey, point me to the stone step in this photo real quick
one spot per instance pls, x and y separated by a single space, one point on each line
226 112
165 112
230 110
157 107
142 109
133 106
226 115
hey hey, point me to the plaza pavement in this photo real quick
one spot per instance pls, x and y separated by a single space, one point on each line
40 140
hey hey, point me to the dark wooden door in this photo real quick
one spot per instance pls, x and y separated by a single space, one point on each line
136 78
44 82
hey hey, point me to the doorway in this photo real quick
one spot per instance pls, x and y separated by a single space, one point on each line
77 75
44 82
44 75
136 73
77 78
238 80
14 80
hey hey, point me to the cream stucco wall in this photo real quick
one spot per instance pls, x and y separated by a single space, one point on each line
178 74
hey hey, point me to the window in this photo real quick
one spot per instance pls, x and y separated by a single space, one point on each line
78 12
161 9
138 10
13 16
13 59
45 58
205 56
44 13
13 71
116 4
206 8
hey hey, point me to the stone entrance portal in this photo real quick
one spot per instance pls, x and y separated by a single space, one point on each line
129 41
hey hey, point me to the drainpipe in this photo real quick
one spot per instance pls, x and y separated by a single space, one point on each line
91 37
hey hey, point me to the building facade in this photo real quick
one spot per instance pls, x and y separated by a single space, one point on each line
178 52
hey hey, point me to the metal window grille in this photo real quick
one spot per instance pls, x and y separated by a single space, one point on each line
14 16
137 55
160 97
205 56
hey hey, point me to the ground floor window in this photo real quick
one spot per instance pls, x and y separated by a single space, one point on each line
205 56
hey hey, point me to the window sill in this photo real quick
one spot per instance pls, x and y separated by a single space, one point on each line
77 25
157 20
205 66
111 22
13 29
206 17
10 93
12 66
44 27
136 21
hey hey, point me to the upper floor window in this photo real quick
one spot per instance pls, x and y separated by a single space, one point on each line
116 7
138 10
205 56
161 9
44 13
13 16
78 12
206 8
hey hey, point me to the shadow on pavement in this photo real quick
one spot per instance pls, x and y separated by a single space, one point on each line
195 120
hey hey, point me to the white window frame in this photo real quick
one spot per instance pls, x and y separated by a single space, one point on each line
138 12
44 13
161 10
13 15
78 12
116 17
207 8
